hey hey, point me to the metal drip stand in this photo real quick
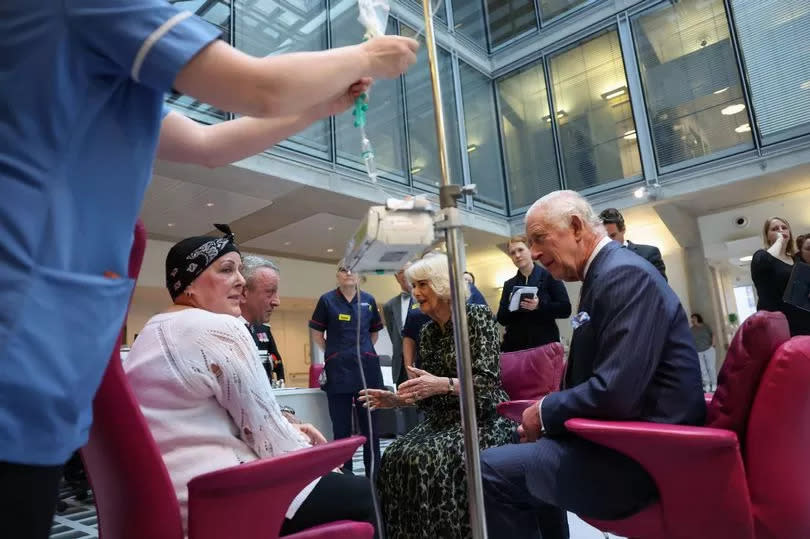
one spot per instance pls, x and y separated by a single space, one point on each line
450 223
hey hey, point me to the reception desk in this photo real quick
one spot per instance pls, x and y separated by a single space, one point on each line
310 407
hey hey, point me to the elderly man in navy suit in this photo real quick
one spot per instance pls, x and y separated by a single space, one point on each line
632 357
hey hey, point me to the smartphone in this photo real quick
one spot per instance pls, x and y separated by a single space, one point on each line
527 295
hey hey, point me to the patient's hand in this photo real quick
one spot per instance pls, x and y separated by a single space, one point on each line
379 398
291 418
313 435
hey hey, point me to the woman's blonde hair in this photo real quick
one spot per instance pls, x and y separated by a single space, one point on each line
789 249
434 269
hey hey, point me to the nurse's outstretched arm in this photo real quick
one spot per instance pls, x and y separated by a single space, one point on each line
289 83
185 141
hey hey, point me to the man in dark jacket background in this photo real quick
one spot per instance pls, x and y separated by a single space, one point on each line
614 226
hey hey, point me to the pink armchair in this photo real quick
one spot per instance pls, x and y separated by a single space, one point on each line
528 375
134 495
710 485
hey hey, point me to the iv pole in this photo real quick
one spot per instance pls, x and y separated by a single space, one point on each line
451 224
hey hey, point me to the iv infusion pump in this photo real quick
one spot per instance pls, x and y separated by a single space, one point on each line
391 235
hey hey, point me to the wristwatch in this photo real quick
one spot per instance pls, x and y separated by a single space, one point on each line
289 409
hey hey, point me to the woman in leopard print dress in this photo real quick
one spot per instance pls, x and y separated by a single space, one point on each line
422 478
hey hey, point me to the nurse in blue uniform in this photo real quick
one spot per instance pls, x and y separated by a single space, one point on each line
82 85
336 314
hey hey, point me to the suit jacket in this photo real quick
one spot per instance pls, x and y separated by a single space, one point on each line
634 359
651 254
392 312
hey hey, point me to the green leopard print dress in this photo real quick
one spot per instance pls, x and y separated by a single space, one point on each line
422 479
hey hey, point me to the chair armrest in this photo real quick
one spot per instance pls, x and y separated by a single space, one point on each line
514 409
679 458
342 529
250 500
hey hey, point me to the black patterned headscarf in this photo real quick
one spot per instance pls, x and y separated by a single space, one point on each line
191 256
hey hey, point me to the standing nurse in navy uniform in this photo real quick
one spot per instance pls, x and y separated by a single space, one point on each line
336 314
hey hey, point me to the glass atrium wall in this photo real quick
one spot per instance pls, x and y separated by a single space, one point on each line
659 84
695 100
596 129
775 40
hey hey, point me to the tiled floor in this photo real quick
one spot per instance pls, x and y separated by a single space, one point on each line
78 520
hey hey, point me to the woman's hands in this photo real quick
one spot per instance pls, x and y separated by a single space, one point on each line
313 435
379 398
422 386
530 304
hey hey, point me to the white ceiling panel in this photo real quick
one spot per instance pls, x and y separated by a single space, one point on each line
310 237
180 209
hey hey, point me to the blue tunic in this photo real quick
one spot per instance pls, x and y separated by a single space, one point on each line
338 317
81 91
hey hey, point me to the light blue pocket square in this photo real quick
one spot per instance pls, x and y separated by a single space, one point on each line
580 319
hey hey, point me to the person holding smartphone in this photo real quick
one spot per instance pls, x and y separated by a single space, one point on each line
534 322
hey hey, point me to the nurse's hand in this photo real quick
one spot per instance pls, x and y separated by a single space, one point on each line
390 56
342 102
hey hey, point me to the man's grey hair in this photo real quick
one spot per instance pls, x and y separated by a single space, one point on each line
434 269
558 207
252 263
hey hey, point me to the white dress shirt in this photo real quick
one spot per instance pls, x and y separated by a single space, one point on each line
405 303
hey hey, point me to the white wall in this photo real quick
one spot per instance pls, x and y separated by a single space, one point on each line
718 228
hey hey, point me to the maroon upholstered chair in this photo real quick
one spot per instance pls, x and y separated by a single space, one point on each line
134 495
709 486
528 375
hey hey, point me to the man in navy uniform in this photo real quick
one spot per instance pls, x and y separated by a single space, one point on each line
260 298
337 315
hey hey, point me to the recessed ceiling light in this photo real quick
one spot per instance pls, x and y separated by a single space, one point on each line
416 170
330 228
612 94
471 148
210 204
748 258
330 250
287 243
744 128
733 109
721 90
640 192
630 135
170 225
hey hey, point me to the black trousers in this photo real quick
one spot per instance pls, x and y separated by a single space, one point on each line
27 499
344 406
335 497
